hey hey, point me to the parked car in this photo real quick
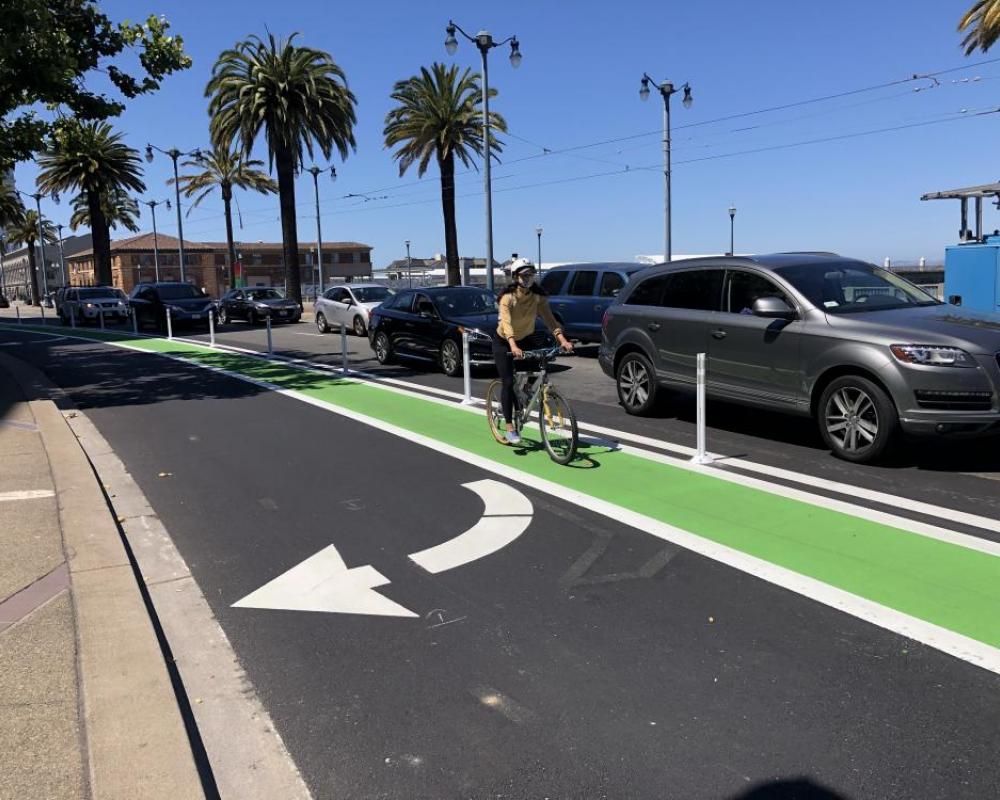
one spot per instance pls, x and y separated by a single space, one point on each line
88 303
425 324
254 305
188 305
864 352
350 305
579 294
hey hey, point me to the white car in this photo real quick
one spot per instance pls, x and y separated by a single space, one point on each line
349 305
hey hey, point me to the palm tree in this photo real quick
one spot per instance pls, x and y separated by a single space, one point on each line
11 207
226 169
24 231
91 158
440 114
120 210
982 22
299 98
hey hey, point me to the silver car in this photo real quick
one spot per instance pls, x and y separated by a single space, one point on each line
859 349
349 305
90 303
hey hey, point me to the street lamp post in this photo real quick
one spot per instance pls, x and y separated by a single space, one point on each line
484 41
156 237
665 89
37 197
175 154
409 265
732 228
538 233
315 172
3 272
62 257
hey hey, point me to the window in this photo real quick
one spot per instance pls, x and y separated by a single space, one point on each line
345 258
552 282
583 283
649 292
848 287
372 294
401 302
745 287
330 293
423 304
697 289
611 284
340 295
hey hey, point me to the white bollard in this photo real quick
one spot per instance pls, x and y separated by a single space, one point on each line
700 456
343 349
170 325
270 344
135 323
18 310
211 327
42 307
100 316
466 370
72 320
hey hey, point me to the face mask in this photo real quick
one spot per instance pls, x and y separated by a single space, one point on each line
527 281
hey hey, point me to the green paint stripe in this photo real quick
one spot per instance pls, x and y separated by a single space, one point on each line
935 581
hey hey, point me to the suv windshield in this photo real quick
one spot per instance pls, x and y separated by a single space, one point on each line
371 294
265 294
89 294
851 288
465 301
180 292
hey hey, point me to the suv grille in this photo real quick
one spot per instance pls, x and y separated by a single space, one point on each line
954 401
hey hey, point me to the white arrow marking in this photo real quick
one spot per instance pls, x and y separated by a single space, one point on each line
324 583
507 514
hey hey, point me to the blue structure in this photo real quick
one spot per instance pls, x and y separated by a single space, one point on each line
972 267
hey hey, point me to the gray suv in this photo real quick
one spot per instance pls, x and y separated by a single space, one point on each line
861 350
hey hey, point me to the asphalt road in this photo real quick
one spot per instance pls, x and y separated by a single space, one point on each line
583 660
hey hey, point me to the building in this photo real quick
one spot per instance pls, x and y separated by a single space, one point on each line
16 282
432 271
135 259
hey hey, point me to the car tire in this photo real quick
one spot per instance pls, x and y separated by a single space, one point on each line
321 324
857 419
636 382
450 358
383 348
359 327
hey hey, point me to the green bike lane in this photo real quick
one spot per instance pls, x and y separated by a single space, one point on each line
886 574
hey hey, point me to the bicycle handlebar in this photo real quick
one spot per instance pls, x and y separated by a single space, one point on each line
543 354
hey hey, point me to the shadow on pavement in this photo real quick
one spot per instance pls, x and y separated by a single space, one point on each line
793 789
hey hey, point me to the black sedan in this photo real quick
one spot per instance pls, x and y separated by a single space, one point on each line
188 305
255 305
426 325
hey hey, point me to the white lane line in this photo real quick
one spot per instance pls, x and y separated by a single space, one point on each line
28 494
303 333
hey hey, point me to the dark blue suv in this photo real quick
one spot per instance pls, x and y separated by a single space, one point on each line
579 294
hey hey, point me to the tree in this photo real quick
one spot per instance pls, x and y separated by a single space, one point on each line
440 115
298 98
48 51
11 207
24 231
226 169
120 210
982 22
91 158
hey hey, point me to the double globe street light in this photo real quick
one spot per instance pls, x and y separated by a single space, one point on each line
175 154
666 89
316 172
485 42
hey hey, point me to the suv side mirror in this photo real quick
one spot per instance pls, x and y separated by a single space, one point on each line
772 308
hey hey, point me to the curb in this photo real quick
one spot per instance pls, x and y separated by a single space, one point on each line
136 741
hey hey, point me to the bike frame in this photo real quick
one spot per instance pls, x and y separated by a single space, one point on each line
522 416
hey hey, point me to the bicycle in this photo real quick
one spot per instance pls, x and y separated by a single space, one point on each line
532 389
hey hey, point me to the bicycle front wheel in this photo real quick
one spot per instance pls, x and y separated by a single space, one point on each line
557 424
494 412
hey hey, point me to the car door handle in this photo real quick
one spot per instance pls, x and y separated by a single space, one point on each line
653 326
718 333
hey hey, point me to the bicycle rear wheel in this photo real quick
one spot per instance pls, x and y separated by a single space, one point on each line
557 424
494 412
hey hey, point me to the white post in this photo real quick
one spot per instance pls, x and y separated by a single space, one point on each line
72 320
211 327
343 349
701 457
170 325
18 310
100 315
135 323
466 370
42 307
270 344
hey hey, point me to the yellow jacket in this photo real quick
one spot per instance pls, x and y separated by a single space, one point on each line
518 310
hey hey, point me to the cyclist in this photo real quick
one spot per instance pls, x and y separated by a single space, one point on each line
521 302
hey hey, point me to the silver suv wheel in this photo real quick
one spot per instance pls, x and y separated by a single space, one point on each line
851 418
637 386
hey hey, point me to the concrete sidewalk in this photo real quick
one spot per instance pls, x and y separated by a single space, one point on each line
86 699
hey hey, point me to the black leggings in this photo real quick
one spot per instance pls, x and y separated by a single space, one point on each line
505 367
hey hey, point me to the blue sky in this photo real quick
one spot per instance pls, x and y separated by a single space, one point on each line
578 84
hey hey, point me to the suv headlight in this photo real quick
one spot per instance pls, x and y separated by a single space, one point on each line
931 355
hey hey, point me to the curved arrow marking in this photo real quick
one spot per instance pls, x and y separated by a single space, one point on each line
507 514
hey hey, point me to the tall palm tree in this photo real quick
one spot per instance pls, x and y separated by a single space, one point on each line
227 169
24 231
982 22
11 207
440 114
298 98
91 158
120 210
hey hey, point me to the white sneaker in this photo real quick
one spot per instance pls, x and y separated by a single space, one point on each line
513 437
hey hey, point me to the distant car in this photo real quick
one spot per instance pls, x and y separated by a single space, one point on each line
188 305
425 324
579 294
89 303
350 305
254 305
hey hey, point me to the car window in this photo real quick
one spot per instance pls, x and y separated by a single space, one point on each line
745 287
853 287
329 293
265 294
181 292
697 289
460 302
341 296
552 282
649 292
371 294
611 284
583 283
423 303
147 294
401 302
